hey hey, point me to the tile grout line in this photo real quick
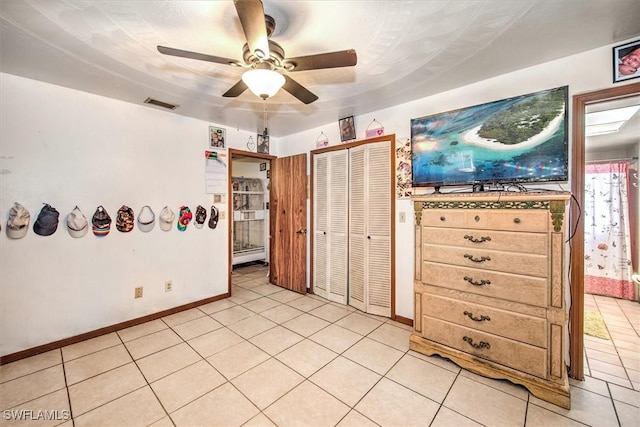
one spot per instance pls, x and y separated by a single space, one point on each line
66 387
144 377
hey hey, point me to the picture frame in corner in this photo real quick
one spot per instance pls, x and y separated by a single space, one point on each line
626 61
347 128
263 166
263 144
217 138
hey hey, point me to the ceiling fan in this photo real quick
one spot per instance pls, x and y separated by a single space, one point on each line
266 59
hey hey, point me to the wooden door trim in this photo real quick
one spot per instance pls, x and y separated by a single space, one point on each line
576 312
236 152
392 155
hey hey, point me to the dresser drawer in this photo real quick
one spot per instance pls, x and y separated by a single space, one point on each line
485 259
536 221
532 243
527 329
516 355
511 287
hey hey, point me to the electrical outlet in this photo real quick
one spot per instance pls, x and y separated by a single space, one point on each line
138 293
221 215
403 217
168 286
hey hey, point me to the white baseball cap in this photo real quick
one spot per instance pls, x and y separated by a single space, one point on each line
77 223
166 218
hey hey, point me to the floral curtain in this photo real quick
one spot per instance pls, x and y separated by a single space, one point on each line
607 248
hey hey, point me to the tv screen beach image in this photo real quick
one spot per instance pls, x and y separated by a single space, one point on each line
520 139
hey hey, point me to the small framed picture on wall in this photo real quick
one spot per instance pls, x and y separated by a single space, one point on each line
263 144
347 129
217 139
626 61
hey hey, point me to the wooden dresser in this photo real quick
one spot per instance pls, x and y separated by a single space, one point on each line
489 286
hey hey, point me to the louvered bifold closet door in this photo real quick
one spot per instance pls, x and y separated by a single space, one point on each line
370 228
357 227
330 225
378 214
338 225
320 223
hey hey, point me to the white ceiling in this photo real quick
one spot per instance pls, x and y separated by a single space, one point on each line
406 49
629 133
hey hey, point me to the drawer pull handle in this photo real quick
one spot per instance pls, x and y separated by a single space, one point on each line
516 220
480 240
476 218
482 317
481 259
481 344
482 282
443 218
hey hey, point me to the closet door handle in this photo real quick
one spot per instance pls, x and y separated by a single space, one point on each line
303 231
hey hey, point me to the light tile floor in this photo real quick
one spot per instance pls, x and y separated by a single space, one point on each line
267 356
617 360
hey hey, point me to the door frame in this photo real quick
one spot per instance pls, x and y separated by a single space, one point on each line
576 312
232 152
392 155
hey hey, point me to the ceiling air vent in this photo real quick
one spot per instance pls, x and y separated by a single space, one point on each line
160 104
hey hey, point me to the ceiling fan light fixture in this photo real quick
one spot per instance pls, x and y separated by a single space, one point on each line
263 83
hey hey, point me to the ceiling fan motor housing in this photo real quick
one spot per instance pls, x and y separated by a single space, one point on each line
276 55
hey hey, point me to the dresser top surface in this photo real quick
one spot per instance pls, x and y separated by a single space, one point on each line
494 196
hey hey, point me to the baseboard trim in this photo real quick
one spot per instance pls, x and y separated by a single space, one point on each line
404 320
106 330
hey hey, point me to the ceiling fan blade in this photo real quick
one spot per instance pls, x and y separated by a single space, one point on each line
299 91
195 55
236 90
342 58
251 14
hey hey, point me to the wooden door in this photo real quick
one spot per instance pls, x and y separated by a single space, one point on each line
288 223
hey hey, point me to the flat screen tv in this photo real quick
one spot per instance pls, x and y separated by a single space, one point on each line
515 140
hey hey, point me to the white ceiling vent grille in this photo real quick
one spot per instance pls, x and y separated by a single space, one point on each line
160 104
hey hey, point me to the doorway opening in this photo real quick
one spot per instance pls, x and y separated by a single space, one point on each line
248 207
610 211
577 259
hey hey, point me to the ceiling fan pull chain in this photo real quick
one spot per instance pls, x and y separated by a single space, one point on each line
265 119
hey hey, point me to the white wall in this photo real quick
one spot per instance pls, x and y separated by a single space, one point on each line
69 148
584 72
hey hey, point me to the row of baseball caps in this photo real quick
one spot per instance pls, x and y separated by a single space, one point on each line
77 224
